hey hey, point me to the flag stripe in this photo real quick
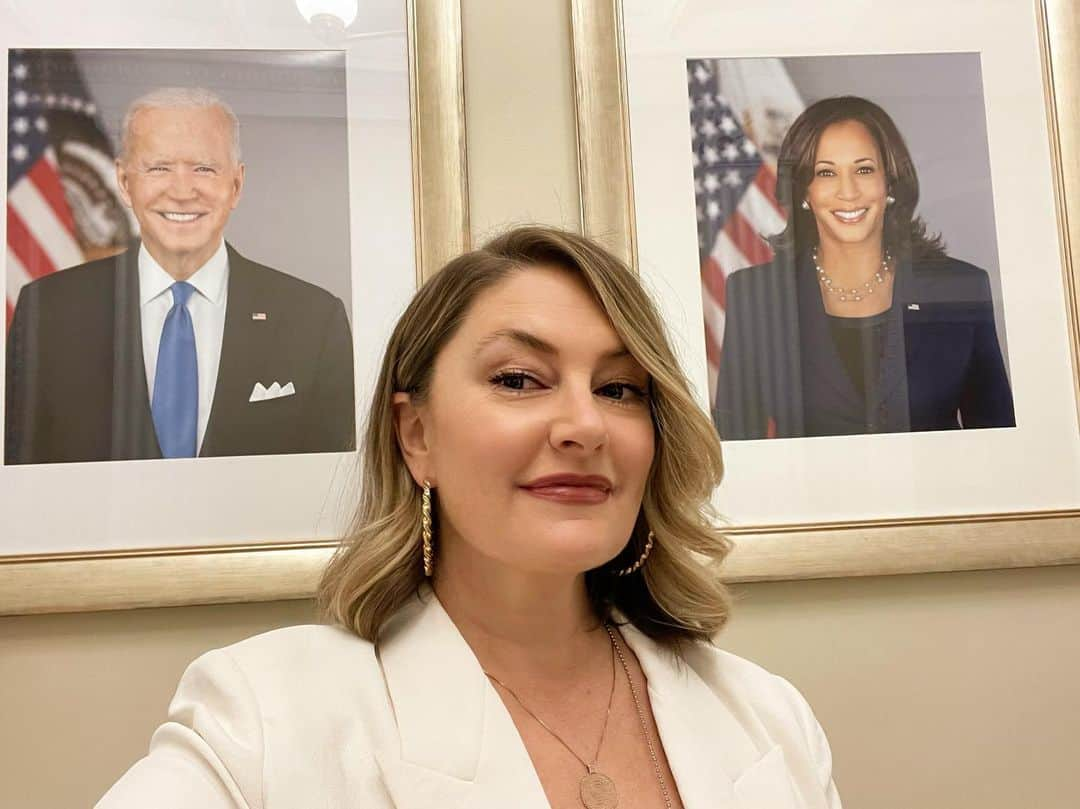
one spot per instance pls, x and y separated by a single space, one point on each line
47 182
715 317
728 255
712 356
761 210
713 281
765 182
751 245
17 278
35 261
49 232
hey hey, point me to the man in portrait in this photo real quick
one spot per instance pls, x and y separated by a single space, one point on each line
179 346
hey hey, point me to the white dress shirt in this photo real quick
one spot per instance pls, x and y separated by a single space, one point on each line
207 308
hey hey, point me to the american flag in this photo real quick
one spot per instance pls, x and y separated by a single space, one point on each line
61 203
734 177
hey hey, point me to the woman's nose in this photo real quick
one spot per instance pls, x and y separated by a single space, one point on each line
849 189
579 424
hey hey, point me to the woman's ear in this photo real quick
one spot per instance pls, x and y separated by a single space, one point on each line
412 437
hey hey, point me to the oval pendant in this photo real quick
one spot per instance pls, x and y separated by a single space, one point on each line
598 792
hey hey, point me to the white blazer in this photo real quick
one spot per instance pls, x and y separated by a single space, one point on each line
312 716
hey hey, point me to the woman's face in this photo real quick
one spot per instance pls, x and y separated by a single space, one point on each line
537 433
848 189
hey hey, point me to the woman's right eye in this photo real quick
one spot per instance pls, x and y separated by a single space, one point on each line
515 380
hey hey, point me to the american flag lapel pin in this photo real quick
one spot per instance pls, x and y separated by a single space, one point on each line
258 315
914 307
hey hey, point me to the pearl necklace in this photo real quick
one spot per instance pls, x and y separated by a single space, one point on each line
854 293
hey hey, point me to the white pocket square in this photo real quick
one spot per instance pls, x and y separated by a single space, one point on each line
260 393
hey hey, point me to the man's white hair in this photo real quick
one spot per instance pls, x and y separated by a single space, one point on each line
179 98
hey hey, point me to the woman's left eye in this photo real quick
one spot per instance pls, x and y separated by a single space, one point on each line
621 391
514 380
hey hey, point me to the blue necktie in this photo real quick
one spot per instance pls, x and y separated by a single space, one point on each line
175 404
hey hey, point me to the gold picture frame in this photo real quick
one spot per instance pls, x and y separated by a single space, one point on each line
861 547
107 580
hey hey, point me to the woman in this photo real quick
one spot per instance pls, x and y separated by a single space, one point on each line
499 640
861 323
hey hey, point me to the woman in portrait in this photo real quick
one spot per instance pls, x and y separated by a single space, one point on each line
522 614
861 323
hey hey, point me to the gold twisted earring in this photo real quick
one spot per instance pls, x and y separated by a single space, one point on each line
425 530
626 571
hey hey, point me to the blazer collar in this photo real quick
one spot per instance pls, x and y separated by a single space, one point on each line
243 342
460 747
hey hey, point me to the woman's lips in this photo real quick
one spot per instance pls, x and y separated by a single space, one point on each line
570 488
851 217
563 493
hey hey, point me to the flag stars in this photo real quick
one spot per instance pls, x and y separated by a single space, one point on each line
19 72
711 155
40 124
19 152
50 100
727 124
708 129
749 148
712 182
731 151
20 126
732 178
713 209
701 74
19 98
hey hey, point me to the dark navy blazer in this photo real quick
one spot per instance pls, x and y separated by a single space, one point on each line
781 375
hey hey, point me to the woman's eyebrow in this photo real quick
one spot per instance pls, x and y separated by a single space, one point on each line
527 339
531 341
857 160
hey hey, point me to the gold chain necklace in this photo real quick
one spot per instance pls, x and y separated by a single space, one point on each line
598 790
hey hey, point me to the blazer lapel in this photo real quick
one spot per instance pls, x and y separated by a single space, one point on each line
242 340
824 365
892 387
708 747
458 743
133 434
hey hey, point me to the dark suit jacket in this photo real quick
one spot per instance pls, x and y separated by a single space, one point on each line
781 375
76 379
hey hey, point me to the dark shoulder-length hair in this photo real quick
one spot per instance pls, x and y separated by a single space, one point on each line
905 234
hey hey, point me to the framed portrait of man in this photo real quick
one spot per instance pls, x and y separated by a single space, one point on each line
205 250
861 239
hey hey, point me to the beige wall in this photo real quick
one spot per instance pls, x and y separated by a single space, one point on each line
941 691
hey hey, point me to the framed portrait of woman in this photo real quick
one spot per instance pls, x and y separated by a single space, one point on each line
283 176
862 231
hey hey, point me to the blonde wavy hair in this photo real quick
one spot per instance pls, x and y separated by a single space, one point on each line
678 594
